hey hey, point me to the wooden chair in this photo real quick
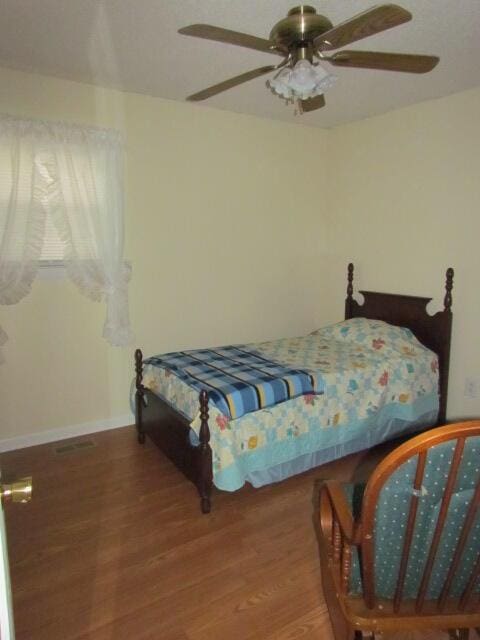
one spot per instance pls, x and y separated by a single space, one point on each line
403 552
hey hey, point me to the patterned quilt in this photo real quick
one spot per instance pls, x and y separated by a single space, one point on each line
370 373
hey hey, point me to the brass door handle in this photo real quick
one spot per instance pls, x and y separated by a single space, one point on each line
19 491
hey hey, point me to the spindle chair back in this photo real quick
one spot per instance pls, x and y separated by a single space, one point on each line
404 551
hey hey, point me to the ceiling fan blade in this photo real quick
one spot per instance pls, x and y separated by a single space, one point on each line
232 82
387 61
209 32
361 26
313 103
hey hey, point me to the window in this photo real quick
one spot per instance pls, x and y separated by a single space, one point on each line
70 177
53 250
16 182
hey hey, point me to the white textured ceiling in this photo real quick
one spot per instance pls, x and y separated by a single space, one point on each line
134 45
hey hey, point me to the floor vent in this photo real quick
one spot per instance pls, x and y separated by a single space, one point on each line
73 447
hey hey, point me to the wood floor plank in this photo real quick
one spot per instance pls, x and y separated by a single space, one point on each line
113 547
314 625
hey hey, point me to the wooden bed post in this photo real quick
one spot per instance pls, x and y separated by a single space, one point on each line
445 361
205 461
349 299
139 395
448 289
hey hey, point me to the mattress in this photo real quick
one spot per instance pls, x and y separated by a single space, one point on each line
374 381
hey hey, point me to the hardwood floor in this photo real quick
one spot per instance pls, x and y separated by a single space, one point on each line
113 546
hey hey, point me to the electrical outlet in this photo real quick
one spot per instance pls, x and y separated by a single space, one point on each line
472 387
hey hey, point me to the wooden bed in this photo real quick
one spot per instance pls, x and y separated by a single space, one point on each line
171 431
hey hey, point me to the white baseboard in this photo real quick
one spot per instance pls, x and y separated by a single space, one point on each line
72 431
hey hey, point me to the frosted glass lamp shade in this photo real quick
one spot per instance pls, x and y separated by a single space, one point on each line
304 81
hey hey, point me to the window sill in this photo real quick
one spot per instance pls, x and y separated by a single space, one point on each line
51 270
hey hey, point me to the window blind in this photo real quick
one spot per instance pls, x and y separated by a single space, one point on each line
53 246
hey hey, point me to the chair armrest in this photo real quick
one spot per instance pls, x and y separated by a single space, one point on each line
349 527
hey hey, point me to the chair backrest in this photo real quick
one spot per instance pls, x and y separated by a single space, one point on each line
421 523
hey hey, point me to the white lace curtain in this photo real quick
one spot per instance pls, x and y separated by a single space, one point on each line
74 174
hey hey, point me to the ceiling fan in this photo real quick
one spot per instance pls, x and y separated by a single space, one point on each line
305 38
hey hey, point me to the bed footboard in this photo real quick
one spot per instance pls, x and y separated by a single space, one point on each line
170 431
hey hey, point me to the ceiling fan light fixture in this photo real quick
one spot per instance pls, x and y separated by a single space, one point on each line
304 37
305 80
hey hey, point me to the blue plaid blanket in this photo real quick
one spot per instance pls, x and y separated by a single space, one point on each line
238 380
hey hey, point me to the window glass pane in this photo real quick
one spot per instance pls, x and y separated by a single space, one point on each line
53 246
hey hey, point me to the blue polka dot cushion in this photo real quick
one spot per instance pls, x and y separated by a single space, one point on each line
391 522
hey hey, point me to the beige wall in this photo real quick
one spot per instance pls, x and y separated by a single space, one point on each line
405 197
239 229
219 219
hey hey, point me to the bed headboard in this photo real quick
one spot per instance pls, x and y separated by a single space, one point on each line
411 311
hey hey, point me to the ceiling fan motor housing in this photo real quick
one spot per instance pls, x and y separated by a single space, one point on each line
301 26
